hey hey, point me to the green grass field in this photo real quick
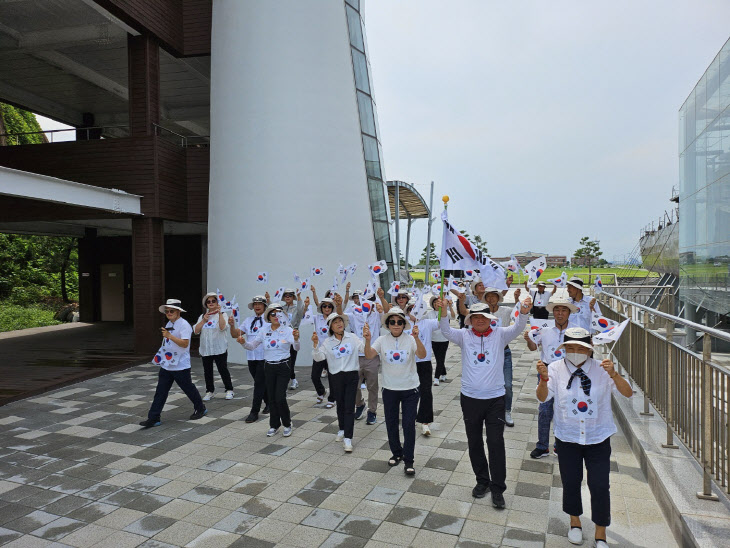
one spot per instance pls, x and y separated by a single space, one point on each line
605 273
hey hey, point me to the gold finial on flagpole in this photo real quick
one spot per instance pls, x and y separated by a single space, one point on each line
445 199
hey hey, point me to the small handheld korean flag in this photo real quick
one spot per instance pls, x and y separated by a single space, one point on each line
262 278
453 284
227 305
236 313
562 281
601 323
351 269
221 297
516 311
535 268
303 285
512 265
376 269
279 294
394 288
537 325
436 275
612 334
469 274
335 286
598 286
308 317
366 306
317 271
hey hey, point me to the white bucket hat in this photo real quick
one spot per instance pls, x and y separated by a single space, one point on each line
494 290
332 317
172 303
257 299
561 301
401 293
474 283
205 298
271 308
395 311
289 291
479 309
577 335
326 300
576 282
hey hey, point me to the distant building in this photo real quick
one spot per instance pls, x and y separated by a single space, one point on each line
527 256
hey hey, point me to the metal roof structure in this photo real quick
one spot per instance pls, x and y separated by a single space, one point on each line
412 204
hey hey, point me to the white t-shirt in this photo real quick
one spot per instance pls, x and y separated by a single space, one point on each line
321 327
276 344
540 299
213 339
182 330
482 357
251 327
582 318
340 355
357 322
426 329
398 358
579 418
549 339
437 336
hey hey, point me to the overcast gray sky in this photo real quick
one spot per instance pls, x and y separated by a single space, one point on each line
543 121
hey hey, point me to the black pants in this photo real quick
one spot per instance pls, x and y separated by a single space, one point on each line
477 413
540 313
292 361
165 379
258 373
439 352
343 387
277 381
461 321
393 402
221 362
597 459
425 404
317 368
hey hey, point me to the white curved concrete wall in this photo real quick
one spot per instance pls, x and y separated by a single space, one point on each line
288 188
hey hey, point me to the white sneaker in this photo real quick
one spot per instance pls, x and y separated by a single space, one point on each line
287 432
229 394
294 384
324 373
363 386
508 419
575 535
208 396
340 435
272 432
348 445
600 543
442 378
425 430
435 382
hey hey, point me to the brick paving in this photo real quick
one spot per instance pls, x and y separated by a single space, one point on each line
76 470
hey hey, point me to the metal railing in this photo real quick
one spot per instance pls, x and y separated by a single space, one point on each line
181 140
74 133
689 391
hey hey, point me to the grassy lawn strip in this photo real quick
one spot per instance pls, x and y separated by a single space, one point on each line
13 317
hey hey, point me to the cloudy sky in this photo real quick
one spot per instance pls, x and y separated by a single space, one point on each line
543 121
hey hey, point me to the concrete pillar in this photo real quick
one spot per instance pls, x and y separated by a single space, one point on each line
144 84
148 272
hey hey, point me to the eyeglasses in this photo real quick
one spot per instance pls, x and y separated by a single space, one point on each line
169 311
211 301
396 322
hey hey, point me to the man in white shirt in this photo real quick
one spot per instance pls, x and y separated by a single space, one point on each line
174 361
482 391
586 304
540 299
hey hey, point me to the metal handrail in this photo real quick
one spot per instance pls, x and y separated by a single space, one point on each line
722 335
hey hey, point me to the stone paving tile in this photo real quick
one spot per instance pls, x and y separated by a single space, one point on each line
75 470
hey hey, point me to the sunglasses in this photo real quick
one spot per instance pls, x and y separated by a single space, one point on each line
396 322
169 311
327 306
211 302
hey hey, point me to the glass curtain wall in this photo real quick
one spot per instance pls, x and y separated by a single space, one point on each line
704 191
370 142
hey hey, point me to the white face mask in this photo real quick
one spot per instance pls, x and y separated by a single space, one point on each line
576 358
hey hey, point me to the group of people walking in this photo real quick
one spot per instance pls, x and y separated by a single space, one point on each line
354 344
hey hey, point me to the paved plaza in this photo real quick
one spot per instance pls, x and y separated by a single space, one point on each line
77 470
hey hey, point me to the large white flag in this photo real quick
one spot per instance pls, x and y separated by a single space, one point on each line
458 253
611 334
535 268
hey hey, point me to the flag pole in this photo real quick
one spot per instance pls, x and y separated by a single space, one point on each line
445 199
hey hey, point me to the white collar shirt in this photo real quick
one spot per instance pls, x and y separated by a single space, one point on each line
580 418
276 343
398 361
482 358
250 327
341 355
213 339
582 318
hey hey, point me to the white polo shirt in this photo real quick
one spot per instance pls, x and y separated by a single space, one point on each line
276 344
579 418
341 355
482 357
582 318
251 327
398 358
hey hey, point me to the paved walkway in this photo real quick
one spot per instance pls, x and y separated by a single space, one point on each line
76 470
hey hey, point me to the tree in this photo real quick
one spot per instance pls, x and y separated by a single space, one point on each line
434 259
589 251
480 244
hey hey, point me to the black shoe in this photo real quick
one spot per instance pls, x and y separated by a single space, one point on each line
408 469
497 500
358 411
149 423
539 453
266 410
199 414
252 417
479 491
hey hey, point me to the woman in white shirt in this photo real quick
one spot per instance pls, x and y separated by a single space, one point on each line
398 353
278 340
326 308
582 388
439 343
341 350
212 327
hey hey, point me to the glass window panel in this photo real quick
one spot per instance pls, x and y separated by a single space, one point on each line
712 154
367 120
700 104
682 138
722 162
377 200
690 130
372 160
360 66
724 75
687 217
700 155
687 180
354 3
355 28
712 77
718 211
700 217
382 241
